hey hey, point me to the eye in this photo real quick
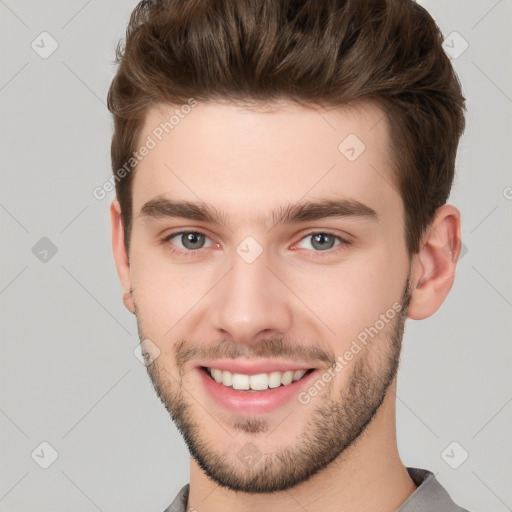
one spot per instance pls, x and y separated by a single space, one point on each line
189 240
320 241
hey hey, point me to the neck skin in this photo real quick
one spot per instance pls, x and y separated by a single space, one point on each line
370 477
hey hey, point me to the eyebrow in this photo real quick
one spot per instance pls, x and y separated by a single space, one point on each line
289 214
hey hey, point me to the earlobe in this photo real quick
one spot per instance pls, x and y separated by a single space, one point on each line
128 301
120 254
433 268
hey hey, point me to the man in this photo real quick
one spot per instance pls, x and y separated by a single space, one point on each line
282 170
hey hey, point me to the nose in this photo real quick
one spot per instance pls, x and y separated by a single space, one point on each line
251 303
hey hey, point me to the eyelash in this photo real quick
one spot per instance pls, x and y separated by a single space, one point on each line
180 252
192 252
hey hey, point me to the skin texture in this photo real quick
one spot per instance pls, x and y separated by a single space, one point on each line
293 301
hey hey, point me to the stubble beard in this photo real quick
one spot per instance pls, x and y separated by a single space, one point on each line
335 423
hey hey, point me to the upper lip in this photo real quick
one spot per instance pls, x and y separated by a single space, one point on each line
253 367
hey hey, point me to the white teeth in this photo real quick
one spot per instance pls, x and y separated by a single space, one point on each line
240 381
287 378
298 375
217 375
227 378
259 382
274 379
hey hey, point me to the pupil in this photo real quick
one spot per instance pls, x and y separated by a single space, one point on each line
323 241
193 240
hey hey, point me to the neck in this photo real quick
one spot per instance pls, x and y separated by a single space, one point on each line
369 475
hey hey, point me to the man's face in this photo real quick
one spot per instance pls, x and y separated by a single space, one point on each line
262 286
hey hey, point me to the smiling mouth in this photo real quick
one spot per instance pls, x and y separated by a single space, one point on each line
255 383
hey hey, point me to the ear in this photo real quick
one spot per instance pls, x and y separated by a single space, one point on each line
120 254
433 267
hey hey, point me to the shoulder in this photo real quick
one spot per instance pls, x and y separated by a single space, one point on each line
430 494
179 503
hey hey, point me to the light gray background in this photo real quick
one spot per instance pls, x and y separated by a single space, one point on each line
68 373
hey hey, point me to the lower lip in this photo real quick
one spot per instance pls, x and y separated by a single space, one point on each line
246 402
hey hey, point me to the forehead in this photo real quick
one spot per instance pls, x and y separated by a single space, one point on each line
248 160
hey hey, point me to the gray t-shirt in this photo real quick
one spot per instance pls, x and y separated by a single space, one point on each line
430 496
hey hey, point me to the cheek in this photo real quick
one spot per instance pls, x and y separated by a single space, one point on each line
350 298
164 293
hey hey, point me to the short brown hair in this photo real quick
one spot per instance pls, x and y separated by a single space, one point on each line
315 52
